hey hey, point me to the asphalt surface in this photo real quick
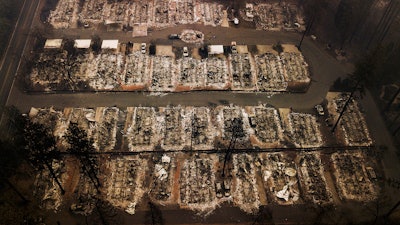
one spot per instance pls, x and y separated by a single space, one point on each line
15 49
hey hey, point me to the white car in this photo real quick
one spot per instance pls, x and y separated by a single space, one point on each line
185 52
218 189
143 48
233 47
320 110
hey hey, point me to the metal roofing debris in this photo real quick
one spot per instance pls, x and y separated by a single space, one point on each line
53 43
109 44
82 43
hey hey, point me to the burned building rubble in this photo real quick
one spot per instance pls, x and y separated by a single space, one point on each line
201 129
159 14
282 15
270 73
162 178
128 67
304 130
192 73
186 127
267 126
353 180
245 194
46 189
106 129
141 128
253 178
125 185
352 125
173 129
280 178
242 70
197 189
163 76
154 13
135 75
312 179
217 73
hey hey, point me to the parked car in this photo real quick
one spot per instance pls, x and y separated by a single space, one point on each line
227 188
143 48
173 36
218 189
320 110
233 47
185 52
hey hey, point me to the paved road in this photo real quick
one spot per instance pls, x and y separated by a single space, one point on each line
15 49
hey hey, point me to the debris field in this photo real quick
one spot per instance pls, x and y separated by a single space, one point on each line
352 126
312 179
131 70
278 15
46 189
245 194
280 178
243 74
197 183
124 185
352 178
162 178
304 130
179 127
270 73
152 13
266 125
282 15
193 180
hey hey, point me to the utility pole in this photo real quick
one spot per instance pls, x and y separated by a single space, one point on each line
345 106
236 125
308 28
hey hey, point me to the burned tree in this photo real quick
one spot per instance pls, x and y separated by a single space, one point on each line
42 149
362 76
9 160
82 148
12 146
237 132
